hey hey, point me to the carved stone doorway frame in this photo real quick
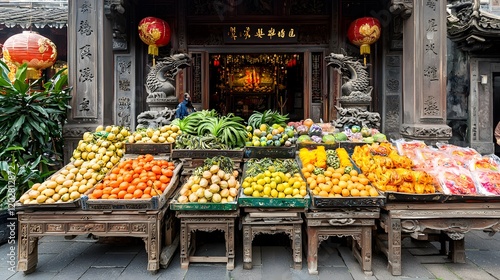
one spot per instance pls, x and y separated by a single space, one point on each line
480 134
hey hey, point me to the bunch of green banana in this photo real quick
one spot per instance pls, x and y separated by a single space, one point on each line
268 117
229 129
189 124
195 142
332 159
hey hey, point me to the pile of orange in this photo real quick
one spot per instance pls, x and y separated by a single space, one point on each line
337 183
139 178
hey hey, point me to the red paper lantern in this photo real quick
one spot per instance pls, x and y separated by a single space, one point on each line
32 48
363 32
154 32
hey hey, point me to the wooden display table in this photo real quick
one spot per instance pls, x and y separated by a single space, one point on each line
348 221
209 221
147 225
401 220
272 221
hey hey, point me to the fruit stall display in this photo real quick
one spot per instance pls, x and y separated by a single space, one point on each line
459 171
334 181
212 186
94 156
272 182
141 182
390 172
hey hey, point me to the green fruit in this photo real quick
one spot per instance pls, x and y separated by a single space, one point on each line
355 128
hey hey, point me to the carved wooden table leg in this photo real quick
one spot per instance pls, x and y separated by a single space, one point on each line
185 236
457 250
230 244
297 246
312 250
27 249
366 250
247 247
394 244
153 246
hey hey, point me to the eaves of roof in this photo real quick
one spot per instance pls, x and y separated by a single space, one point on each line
39 17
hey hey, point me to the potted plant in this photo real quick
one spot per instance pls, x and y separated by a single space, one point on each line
32 115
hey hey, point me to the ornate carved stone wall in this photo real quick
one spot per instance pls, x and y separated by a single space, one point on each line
481 104
125 97
393 88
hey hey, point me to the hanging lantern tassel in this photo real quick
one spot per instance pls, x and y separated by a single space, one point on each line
364 50
33 74
153 50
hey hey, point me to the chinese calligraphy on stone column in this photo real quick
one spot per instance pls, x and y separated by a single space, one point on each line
432 46
123 94
85 74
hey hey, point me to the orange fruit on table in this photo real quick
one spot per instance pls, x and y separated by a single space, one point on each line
308 122
128 196
122 194
353 172
164 179
346 192
97 193
123 185
138 193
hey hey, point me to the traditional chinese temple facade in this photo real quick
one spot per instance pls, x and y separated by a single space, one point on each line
433 70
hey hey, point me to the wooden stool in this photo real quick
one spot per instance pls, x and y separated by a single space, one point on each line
258 222
356 223
209 221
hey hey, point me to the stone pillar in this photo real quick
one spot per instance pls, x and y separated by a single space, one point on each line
90 66
424 70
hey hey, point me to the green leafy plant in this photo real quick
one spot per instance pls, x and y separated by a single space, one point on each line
19 176
32 115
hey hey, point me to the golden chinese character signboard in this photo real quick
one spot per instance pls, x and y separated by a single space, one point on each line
260 34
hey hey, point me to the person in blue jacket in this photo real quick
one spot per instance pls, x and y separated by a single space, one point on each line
185 107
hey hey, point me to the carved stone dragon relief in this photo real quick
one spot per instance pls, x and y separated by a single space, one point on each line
160 86
356 83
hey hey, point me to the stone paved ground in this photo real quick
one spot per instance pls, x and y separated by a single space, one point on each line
86 258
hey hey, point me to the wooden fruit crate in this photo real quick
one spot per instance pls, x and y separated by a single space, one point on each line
335 202
208 206
413 197
270 152
148 148
154 203
271 202
49 206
